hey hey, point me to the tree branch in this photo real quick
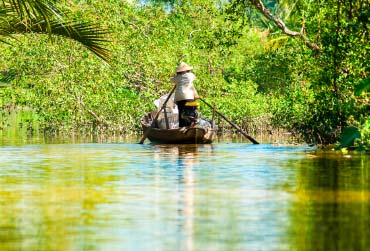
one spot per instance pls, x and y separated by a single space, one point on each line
93 114
281 25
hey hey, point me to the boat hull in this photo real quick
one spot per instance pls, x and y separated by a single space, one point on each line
183 135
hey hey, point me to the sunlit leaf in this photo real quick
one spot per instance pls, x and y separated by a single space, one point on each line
41 16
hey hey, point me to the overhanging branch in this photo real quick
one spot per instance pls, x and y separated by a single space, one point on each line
281 25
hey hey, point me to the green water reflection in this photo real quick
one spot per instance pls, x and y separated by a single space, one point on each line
225 196
332 210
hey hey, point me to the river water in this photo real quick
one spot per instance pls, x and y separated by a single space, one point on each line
225 196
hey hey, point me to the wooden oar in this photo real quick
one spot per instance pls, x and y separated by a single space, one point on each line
156 116
231 123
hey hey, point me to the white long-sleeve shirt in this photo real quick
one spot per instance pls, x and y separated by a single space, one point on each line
185 88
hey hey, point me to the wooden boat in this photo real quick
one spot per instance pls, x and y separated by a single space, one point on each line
185 135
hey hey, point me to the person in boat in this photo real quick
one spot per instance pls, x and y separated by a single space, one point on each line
185 95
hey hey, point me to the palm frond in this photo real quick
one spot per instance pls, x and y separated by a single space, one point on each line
31 9
41 16
88 34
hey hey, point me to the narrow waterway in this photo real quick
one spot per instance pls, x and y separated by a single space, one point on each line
224 196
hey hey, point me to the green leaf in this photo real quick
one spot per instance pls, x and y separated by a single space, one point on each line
363 86
6 77
349 135
42 16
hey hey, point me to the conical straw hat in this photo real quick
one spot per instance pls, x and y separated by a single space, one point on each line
183 67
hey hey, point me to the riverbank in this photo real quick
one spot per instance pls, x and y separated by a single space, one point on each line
23 125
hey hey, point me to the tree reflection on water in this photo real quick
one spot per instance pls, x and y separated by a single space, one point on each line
186 157
182 197
332 211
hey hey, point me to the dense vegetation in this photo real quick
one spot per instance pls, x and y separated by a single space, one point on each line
298 65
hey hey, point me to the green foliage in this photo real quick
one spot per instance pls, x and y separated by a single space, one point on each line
363 86
355 138
364 142
42 16
7 76
348 136
71 90
243 64
326 80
